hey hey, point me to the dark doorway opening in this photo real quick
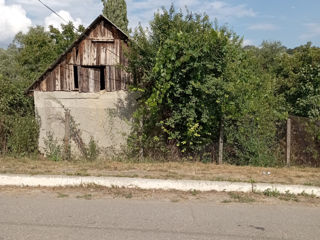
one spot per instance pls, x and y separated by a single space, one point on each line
76 77
102 78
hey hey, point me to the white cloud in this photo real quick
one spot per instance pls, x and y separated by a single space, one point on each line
143 10
13 19
138 10
313 30
263 27
56 21
86 10
247 42
224 10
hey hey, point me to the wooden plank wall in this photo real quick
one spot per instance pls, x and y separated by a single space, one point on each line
102 47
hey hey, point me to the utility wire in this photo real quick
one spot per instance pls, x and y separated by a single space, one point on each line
74 28
53 11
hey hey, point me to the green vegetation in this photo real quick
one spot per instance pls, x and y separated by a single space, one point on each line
26 59
116 11
240 197
271 193
194 79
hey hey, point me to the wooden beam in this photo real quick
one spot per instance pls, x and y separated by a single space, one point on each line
97 40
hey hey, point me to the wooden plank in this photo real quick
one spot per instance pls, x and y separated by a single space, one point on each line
109 40
106 77
113 78
98 53
85 79
91 79
110 74
43 85
118 78
71 77
49 82
80 53
62 81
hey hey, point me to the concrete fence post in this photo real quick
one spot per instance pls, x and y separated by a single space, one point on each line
288 149
220 157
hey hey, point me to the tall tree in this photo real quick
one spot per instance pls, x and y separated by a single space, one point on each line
191 77
116 11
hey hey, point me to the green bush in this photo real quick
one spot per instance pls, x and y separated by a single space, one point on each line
191 78
18 125
23 138
92 150
53 150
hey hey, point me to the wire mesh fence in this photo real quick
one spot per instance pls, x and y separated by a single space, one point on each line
304 142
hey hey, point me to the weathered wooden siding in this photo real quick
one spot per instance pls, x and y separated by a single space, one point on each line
103 46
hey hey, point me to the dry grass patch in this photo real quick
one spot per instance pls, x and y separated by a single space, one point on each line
93 192
162 170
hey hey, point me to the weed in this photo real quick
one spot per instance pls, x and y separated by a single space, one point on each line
80 173
242 198
52 148
271 193
86 196
128 195
92 151
304 194
62 195
194 192
308 184
288 196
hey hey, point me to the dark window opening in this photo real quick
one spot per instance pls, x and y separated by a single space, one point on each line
76 77
102 79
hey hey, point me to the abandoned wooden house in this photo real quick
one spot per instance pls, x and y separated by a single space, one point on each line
83 96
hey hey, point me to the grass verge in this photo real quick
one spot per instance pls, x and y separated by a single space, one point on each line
162 170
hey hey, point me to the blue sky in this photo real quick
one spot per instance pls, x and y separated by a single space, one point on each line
293 22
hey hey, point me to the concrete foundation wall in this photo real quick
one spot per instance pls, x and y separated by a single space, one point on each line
105 117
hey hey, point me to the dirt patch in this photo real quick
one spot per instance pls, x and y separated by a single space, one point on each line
165 170
93 192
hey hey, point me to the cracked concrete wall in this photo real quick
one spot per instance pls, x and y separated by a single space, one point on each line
105 116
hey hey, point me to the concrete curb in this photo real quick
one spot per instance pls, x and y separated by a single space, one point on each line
181 185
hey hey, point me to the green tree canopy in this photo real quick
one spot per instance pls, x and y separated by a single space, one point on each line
298 75
24 60
38 48
116 11
191 77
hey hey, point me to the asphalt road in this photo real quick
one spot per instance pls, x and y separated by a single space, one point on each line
48 217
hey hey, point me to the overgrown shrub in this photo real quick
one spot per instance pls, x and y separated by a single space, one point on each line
53 150
192 77
92 150
18 125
